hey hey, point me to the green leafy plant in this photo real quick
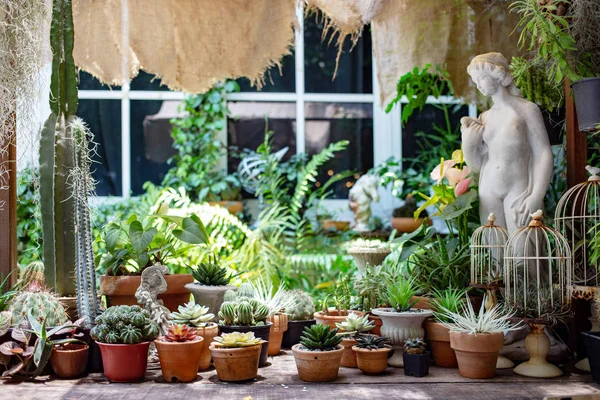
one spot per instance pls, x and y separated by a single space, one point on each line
302 306
372 342
532 80
193 315
448 299
124 325
29 228
320 338
414 346
6 293
236 340
211 274
371 286
400 296
468 321
195 166
354 324
340 295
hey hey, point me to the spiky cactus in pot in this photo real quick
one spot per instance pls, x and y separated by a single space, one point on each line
244 312
320 338
124 325
43 305
302 308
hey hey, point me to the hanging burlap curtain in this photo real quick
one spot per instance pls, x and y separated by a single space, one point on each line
189 44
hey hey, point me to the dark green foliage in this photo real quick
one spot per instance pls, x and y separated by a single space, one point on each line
125 325
533 82
320 337
372 342
199 150
29 228
211 274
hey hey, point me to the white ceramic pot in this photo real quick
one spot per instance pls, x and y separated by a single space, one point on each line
371 256
209 296
399 326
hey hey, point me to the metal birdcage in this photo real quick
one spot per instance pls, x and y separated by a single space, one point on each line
537 280
577 218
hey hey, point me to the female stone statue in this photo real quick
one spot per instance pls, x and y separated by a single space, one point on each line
507 146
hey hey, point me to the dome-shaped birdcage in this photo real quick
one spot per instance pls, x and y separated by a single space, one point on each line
487 255
577 218
537 273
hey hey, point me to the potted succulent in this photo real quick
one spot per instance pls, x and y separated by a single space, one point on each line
368 253
477 338
401 321
403 218
179 352
124 334
134 245
416 359
438 334
372 353
341 296
278 303
236 356
353 326
319 354
212 281
241 312
197 317
300 315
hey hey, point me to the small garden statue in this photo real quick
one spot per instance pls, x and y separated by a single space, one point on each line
154 283
361 195
507 146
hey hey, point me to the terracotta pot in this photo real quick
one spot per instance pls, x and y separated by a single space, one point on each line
263 332
438 337
124 362
209 296
179 360
377 322
399 326
294 331
368 256
69 361
280 325
233 207
333 317
236 364
208 334
348 356
423 302
318 366
477 354
372 362
408 224
120 290
331 225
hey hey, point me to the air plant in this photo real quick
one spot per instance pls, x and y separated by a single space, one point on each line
276 299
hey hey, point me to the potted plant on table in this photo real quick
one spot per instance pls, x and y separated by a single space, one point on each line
197 317
319 354
212 281
437 333
236 356
416 358
477 338
372 353
124 334
300 315
371 287
179 352
401 321
241 312
352 327
341 297
368 252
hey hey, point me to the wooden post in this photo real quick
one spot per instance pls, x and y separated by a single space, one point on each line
8 203
576 143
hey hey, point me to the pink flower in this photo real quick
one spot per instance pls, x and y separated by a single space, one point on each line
455 175
440 171
462 187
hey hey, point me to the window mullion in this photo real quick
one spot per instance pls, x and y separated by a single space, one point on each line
299 64
125 105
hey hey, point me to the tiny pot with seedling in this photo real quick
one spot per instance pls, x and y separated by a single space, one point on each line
179 352
319 354
372 353
236 356
416 359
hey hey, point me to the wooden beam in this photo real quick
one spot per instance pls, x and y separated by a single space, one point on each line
8 202
576 143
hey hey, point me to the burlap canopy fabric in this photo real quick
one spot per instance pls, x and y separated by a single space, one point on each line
189 44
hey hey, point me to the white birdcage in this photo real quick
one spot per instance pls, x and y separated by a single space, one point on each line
487 255
537 280
577 218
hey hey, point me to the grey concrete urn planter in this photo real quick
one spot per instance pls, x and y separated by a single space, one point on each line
209 296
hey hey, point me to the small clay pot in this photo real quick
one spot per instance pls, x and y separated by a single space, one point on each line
294 331
236 364
407 225
376 321
69 361
317 366
438 337
179 360
372 362
477 354
124 362
280 325
333 317
208 333
262 332
348 356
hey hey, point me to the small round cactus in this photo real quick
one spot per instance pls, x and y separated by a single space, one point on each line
124 325
303 308
239 309
32 272
230 295
245 313
246 290
44 305
227 313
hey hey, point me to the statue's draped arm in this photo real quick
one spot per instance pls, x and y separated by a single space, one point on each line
473 147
